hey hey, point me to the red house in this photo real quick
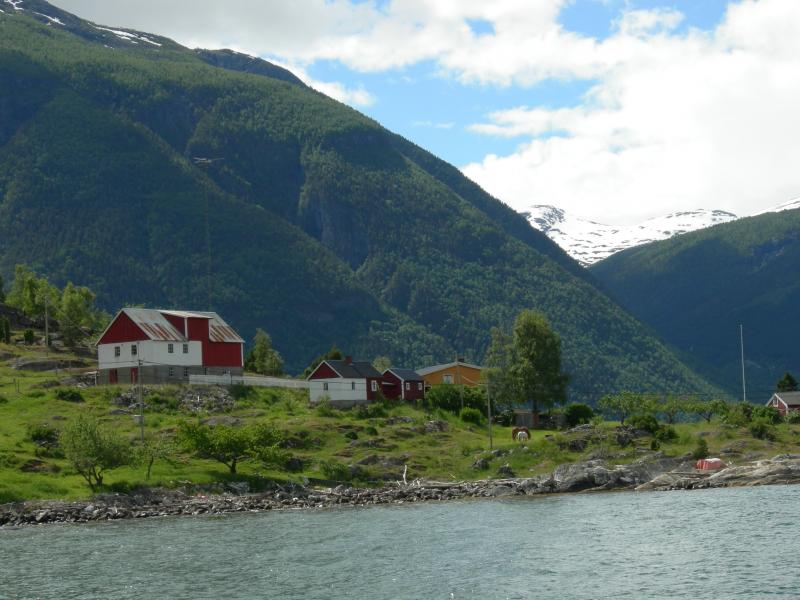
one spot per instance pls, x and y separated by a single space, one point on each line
344 382
785 402
403 384
166 346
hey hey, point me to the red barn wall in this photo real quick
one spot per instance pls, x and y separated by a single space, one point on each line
123 329
323 371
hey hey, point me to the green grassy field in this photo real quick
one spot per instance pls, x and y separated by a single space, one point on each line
388 441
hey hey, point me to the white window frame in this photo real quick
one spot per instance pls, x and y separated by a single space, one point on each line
134 350
374 386
117 351
419 386
408 386
324 386
171 348
186 348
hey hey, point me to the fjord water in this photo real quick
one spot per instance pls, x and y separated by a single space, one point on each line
725 543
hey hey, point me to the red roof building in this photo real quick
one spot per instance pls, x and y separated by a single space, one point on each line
166 346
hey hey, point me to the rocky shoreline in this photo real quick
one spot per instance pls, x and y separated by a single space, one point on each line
590 476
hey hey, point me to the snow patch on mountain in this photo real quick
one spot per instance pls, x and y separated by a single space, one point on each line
128 36
589 241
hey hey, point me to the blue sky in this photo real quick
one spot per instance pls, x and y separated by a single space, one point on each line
614 110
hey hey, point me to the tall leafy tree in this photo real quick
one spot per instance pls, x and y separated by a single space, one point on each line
497 368
263 358
787 383
31 293
76 313
536 369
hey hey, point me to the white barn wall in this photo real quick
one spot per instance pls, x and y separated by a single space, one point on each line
151 353
339 390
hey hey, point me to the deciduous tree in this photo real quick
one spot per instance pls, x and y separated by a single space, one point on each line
92 450
263 358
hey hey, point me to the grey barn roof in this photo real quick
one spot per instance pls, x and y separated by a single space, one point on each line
406 374
353 370
789 398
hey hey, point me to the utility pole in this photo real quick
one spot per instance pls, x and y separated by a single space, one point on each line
489 412
741 344
141 395
207 162
460 381
46 326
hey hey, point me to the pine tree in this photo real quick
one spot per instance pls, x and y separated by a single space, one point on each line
787 383
263 358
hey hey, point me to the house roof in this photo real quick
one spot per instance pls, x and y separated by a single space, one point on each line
406 374
353 370
434 368
789 398
156 327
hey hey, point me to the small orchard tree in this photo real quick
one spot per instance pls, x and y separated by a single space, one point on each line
92 450
787 383
707 409
31 293
263 358
154 449
672 406
75 313
229 445
623 405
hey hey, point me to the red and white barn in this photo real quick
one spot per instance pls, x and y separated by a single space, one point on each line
785 402
403 384
163 346
344 382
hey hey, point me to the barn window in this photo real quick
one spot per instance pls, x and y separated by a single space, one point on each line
186 348
352 385
408 386
117 350
185 372
325 386
134 350
172 371
419 386
170 348
374 386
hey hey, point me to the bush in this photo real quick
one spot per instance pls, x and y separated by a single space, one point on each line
69 395
3 399
471 415
449 397
701 449
29 336
644 422
240 391
162 402
370 430
351 435
334 471
578 413
739 414
762 429
769 414
666 433
373 410
325 409
92 450
43 435
793 417
505 418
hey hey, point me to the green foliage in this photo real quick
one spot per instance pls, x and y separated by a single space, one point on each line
76 313
381 363
624 404
324 408
80 120
666 433
230 445
578 413
769 414
239 392
43 435
69 395
263 358
91 449
333 470
701 449
793 417
471 415
709 408
763 429
333 354
2 290
371 410
739 414
30 293
451 398
645 422
787 383
351 435
505 418
162 402
154 448
29 337
5 330
673 406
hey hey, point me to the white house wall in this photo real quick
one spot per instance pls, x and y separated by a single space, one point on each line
151 353
339 390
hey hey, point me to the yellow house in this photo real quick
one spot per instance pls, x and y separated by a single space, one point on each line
458 373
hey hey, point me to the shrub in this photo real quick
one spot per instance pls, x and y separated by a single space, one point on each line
370 430
701 449
739 414
240 391
793 417
29 336
471 415
666 433
373 410
505 418
769 414
351 435
334 471
449 397
3 399
578 413
762 429
644 422
69 395
43 435
163 402
324 408
655 444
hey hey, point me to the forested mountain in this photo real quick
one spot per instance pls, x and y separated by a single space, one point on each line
696 289
322 226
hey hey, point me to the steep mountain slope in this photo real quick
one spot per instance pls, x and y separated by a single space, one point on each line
696 289
323 227
589 242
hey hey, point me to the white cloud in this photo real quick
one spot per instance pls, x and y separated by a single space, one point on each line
697 120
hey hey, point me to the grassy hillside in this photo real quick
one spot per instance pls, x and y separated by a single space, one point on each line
694 290
322 226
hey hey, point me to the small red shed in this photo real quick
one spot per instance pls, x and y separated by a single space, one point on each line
404 384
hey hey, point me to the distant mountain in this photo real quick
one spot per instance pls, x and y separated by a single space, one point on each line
589 242
696 289
312 221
